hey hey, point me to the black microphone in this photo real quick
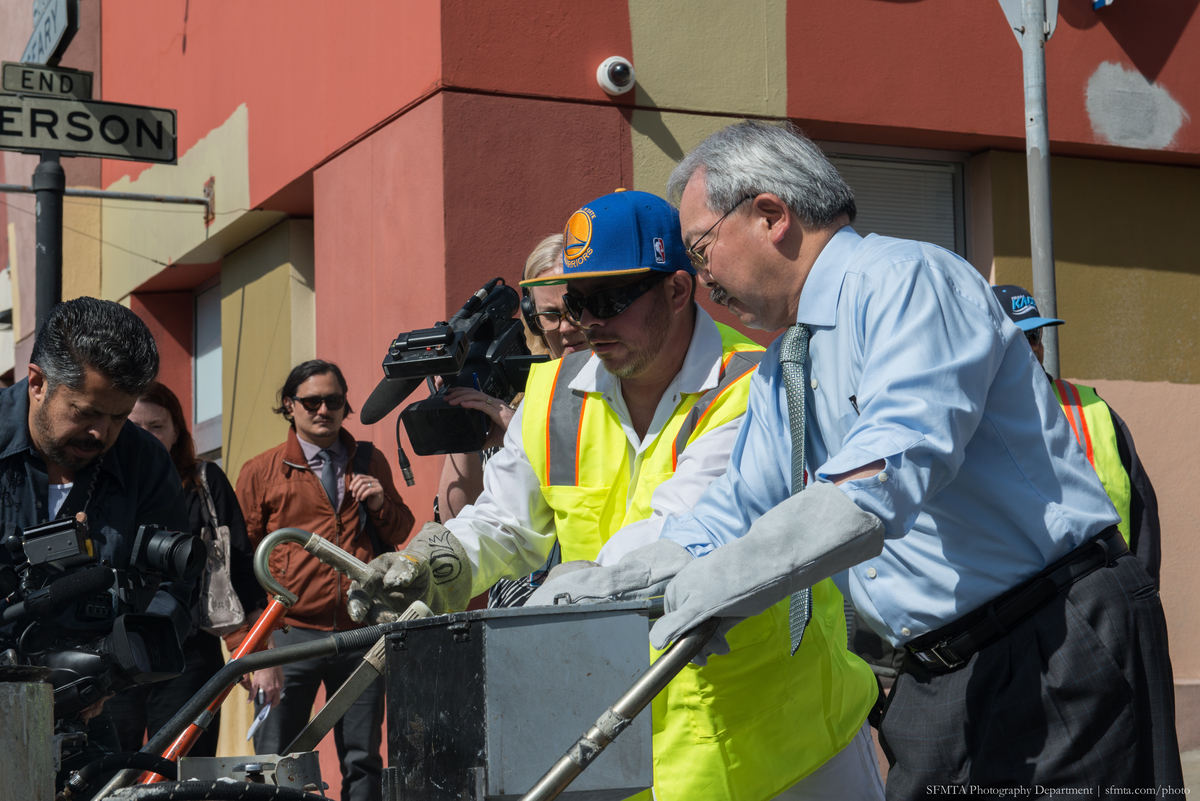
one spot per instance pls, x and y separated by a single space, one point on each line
387 395
49 601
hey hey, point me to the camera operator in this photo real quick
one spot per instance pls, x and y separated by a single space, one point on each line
547 330
67 447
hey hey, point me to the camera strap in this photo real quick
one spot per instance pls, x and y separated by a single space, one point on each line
80 495
362 463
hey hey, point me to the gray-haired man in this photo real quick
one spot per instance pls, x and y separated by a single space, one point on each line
946 493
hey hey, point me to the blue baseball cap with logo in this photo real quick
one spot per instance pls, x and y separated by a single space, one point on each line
1022 308
624 233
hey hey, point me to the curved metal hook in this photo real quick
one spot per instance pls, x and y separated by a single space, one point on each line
262 562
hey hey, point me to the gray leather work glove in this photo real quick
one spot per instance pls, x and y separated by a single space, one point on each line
807 538
433 569
642 573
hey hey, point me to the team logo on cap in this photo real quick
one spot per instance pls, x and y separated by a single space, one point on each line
577 237
660 251
1023 304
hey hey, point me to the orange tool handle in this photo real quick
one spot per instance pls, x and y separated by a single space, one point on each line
267 622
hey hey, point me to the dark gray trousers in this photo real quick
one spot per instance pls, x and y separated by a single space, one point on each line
357 735
1079 695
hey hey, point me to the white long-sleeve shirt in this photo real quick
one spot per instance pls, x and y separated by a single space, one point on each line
509 531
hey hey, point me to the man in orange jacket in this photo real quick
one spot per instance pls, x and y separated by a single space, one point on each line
321 480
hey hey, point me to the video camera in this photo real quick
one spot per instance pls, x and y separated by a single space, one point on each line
481 347
87 622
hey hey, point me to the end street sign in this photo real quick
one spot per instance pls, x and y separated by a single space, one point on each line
28 79
87 128
51 21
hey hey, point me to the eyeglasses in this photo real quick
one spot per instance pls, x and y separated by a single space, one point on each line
549 321
1034 337
700 260
313 403
612 301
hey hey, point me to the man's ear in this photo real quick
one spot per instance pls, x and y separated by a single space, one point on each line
679 290
775 215
37 384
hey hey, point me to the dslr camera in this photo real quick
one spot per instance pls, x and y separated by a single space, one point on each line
481 347
86 622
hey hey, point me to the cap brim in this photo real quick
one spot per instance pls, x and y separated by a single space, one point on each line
561 278
1037 322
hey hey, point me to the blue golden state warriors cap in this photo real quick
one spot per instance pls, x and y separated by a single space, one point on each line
621 234
1022 308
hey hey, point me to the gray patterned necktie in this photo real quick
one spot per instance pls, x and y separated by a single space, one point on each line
793 353
329 476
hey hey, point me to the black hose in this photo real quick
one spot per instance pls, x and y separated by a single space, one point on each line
342 642
215 791
81 780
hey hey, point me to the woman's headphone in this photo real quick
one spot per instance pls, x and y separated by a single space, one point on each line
529 312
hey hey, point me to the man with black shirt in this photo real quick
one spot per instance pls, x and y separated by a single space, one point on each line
66 447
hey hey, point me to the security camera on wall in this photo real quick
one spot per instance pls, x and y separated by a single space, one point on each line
615 75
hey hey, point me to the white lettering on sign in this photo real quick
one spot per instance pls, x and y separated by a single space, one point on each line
49 25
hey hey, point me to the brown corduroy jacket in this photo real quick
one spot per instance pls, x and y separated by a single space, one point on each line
277 489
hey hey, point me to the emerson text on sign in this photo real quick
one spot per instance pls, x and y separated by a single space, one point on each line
87 128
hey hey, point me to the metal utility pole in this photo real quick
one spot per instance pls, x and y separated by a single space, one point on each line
1036 30
49 183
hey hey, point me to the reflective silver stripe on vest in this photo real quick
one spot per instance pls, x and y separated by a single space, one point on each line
740 363
565 415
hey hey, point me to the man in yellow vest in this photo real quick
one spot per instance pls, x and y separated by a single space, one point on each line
608 444
1103 436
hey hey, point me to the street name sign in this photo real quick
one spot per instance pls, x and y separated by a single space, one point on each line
50 22
87 128
30 79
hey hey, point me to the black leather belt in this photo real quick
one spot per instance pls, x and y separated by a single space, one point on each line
953 645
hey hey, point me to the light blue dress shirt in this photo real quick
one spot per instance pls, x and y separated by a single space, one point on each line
984 484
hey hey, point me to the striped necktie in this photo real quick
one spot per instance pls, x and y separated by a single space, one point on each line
792 355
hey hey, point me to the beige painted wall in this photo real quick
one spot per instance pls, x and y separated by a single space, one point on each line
1128 277
81 248
1128 286
267 325
708 55
729 58
141 238
661 138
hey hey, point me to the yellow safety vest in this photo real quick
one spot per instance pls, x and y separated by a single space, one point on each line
753 722
1094 430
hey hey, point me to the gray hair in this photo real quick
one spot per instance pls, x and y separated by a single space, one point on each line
752 157
98 334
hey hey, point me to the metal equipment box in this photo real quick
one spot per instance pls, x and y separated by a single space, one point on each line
481 704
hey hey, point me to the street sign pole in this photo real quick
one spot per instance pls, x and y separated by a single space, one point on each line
49 183
1037 161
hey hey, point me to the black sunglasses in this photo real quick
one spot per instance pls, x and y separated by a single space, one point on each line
313 403
612 301
1034 337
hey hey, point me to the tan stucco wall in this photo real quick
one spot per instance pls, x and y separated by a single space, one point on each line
1128 277
1128 284
729 58
724 58
82 231
266 329
140 238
